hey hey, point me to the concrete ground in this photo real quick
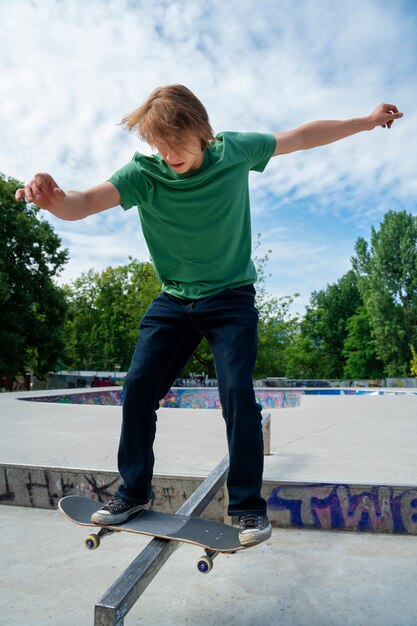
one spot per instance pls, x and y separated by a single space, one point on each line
298 578
352 439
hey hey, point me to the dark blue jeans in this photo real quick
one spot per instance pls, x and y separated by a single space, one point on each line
170 331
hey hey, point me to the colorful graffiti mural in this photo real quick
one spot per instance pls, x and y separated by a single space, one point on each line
206 397
178 398
105 398
192 398
375 508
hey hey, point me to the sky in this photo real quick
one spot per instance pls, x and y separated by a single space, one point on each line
69 71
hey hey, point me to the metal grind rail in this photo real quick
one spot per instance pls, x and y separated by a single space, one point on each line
114 605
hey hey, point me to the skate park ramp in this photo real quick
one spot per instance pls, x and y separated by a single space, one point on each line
337 463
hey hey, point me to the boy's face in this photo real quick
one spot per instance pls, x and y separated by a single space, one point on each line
184 158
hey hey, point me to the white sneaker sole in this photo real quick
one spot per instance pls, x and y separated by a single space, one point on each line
102 517
252 538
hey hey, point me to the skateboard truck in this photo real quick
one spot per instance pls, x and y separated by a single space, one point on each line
92 541
205 563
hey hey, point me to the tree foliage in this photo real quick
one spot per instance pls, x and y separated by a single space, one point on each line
104 312
359 348
413 363
105 309
387 279
277 324
362 326
32 307
317 351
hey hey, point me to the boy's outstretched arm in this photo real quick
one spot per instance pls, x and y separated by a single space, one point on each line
43 191
323 132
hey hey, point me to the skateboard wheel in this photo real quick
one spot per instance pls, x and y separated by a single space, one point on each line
92 542
205 564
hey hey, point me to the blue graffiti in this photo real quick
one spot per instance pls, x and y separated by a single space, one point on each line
378 508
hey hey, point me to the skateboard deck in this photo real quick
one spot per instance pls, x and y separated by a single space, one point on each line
214 537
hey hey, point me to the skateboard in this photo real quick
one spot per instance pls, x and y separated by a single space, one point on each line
214 537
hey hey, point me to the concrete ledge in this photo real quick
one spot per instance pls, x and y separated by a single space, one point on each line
326 506
42 486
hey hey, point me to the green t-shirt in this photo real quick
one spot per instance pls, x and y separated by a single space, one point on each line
197 225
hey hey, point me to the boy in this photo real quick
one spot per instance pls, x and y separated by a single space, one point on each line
193 204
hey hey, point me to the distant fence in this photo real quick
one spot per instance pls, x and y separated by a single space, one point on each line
92 379
355 383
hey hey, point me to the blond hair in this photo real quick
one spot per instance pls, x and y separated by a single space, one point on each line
170 114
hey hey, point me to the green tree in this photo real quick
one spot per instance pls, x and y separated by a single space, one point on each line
277 326
359 348
201 361
301 358
101 328
104 311
317 350
413 363
387 279
32 307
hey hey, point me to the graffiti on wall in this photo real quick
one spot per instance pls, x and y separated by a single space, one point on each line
181 398
269 399
206 398
7 495
375 508
104 398
197 398
42 487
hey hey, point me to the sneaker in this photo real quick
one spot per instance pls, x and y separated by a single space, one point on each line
117 510
254 529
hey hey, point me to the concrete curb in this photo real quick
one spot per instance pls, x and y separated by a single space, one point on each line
325 506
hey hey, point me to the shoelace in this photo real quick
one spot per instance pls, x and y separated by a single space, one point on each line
115 503
250 521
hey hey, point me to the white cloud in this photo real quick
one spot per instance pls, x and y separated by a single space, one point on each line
109 239
300 262
70 70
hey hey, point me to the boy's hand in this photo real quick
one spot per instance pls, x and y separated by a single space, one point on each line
43 191
384 115
72 205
